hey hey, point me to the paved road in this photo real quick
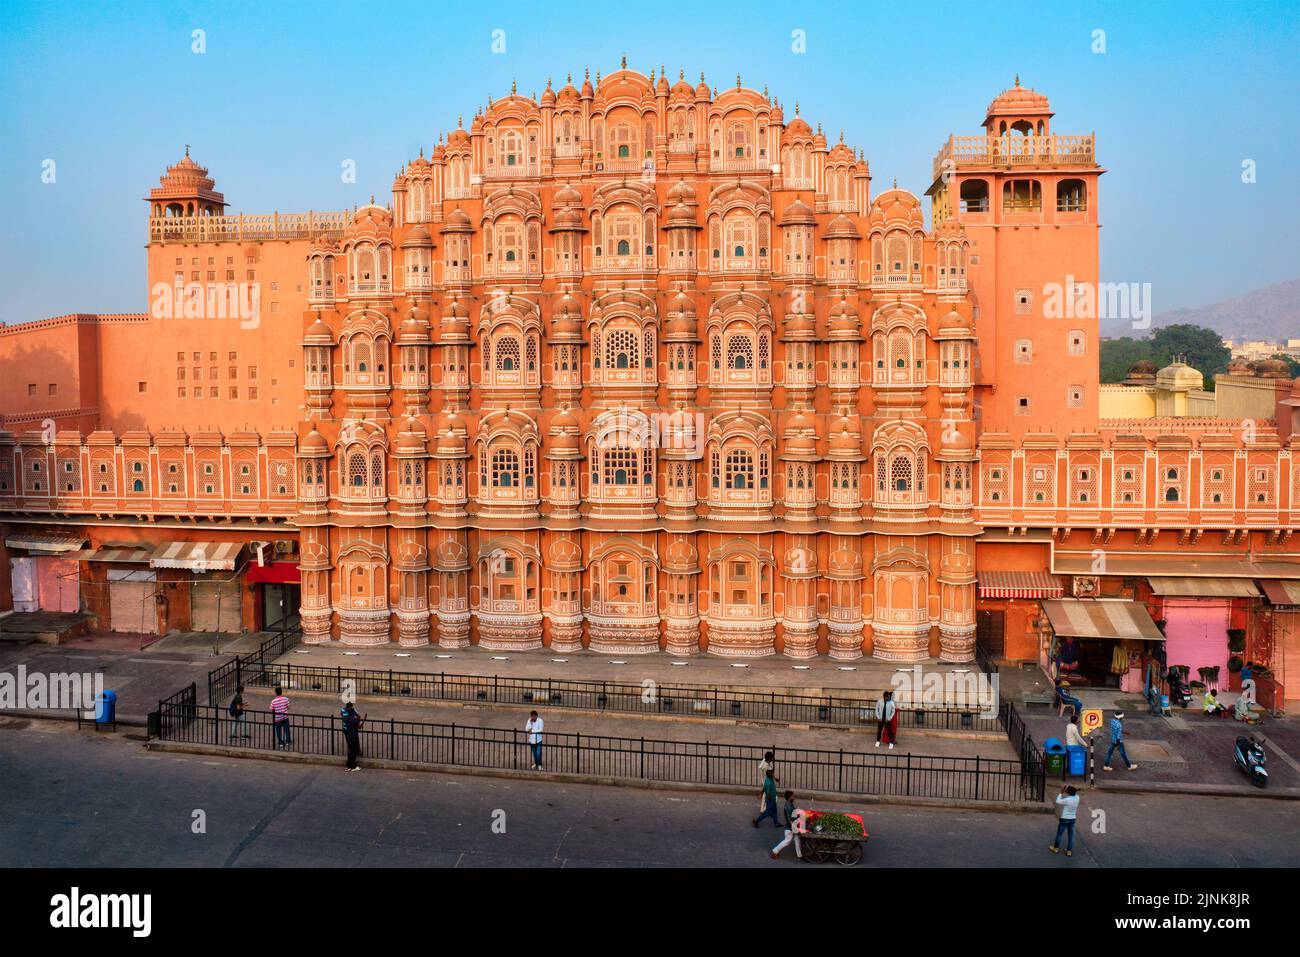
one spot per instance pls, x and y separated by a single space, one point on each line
88 800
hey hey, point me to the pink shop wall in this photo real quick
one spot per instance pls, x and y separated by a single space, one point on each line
1196 635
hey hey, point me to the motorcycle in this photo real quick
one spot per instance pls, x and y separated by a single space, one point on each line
1180 693
1248 755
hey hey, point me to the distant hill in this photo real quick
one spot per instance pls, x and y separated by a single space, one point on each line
1271 313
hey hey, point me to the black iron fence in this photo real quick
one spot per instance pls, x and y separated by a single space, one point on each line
247 669
1031 758
702 701
647 759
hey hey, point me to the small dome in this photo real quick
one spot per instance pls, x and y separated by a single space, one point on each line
567 195
319 332
682 192
563 420
313 443
418 236
1179 377
1272 369
798 213
681 215
1018 101
458 222
842 227
681 326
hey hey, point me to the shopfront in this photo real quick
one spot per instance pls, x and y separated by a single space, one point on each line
1284 619
1198 614
45 579
1007 615
1097 642
216 594
279 594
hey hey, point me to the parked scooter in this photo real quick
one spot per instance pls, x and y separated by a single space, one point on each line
1248 755
1180 693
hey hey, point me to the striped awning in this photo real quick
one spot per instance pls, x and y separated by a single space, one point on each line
1281 592
114 553
1006 584
50 544
1204 587
197 556
1099 618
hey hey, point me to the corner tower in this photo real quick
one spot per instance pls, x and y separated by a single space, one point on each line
1027 198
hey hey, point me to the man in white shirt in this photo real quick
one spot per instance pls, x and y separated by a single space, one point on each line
534 727
1073 735
1067 803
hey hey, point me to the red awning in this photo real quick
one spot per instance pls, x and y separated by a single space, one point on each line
1007 584
1281 592
273 573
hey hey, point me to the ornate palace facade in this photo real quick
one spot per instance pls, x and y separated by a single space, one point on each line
642 366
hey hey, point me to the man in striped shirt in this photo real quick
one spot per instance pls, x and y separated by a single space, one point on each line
280 719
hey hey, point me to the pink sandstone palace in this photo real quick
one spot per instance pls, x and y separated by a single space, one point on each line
641 366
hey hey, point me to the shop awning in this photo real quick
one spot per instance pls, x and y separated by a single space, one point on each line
1281 592
1098 618
1009 584
1204 587
197 556
113 553
49 544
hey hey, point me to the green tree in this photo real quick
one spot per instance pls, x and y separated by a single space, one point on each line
1118 355
1200 348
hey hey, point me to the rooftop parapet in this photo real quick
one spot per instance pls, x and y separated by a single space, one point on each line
1012 150
244 226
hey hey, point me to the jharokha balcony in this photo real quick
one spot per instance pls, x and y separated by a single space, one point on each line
1015 150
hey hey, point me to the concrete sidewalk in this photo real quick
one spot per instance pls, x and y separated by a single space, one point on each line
864 677
716 731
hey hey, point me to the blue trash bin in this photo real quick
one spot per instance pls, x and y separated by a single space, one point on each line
1076 761
106 708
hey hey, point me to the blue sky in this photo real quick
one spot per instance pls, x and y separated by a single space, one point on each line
285 92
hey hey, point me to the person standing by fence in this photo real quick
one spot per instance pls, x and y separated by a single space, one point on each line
534 727
238 715
352 723
1067 803
769 801
886 719
280 720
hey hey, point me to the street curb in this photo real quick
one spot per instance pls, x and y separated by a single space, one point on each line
558 778
668 718
61 715
1206 790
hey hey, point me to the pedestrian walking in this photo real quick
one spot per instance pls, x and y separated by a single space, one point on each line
1067 805
238 715
1117 741
769 801
352 723
886 720
534 726
796 823
280 720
